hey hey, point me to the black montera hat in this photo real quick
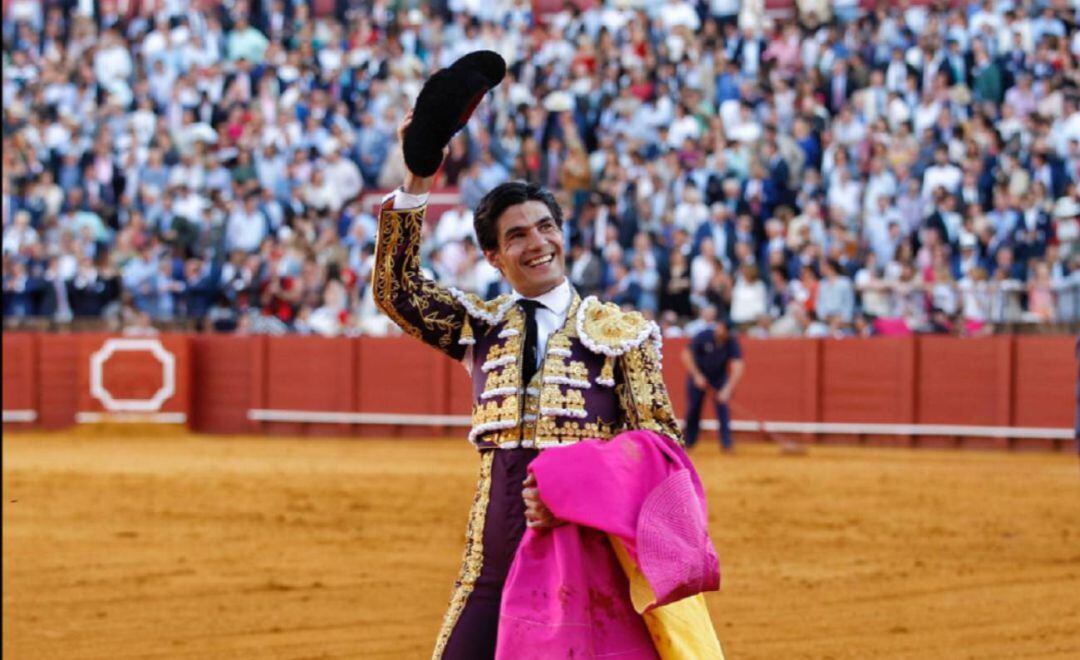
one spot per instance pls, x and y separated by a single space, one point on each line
445 104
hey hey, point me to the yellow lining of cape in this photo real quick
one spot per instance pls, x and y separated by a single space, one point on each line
679 630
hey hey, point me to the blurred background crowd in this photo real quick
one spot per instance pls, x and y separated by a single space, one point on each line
818 168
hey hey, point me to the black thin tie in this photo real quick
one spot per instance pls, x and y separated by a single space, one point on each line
530 359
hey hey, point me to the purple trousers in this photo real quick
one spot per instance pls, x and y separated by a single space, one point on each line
474 635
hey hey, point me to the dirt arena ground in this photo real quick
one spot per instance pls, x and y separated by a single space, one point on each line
205 547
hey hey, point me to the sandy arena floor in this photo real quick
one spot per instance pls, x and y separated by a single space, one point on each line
195 547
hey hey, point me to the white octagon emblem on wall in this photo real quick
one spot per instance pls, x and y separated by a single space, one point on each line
116 345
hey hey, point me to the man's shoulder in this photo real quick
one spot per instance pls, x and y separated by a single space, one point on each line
606 329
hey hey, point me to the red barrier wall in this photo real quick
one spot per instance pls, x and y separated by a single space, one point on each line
995 382
782 381
395 377
964 382
1044 380
875 386
307 373
20 370
228 371
58 375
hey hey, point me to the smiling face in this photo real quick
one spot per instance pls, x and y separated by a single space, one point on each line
530 249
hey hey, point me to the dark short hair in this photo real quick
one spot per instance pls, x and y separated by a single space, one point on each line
502 197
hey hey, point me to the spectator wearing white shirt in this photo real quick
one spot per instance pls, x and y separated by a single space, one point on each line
845 195
943 293
246 227
942 174
21 235
749 297
882 229
679 13
702 268
872 288
880 183
455 224
725 11
985 20
684 127
342 176
745 128
691 212
112 62
848 129
974 293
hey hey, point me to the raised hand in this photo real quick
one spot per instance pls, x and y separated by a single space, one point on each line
415 185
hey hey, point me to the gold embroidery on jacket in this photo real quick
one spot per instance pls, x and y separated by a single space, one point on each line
473 559
510 347
501 424
563 370
552 431
503 366
506 377
559 342
643 395
497 410
400 289
571 402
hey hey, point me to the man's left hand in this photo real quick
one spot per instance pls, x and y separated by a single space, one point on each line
537 514
723 395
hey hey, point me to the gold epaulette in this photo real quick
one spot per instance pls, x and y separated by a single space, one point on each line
606 329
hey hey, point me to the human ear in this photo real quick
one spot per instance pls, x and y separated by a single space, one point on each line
494 258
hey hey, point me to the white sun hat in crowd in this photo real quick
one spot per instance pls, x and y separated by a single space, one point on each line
558 101
1066 207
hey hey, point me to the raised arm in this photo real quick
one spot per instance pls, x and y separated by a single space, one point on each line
420 306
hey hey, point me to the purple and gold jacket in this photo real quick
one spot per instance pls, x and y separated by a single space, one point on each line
601 374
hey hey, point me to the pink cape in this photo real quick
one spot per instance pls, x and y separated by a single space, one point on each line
566 594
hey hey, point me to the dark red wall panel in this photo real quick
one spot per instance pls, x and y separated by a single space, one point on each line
1045 381
781 381
400 375
868 380
58 374
224 369
964 380
20 371
310 373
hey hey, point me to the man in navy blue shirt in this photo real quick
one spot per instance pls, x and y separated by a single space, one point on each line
707 358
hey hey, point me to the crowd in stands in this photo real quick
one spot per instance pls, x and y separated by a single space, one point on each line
830 170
